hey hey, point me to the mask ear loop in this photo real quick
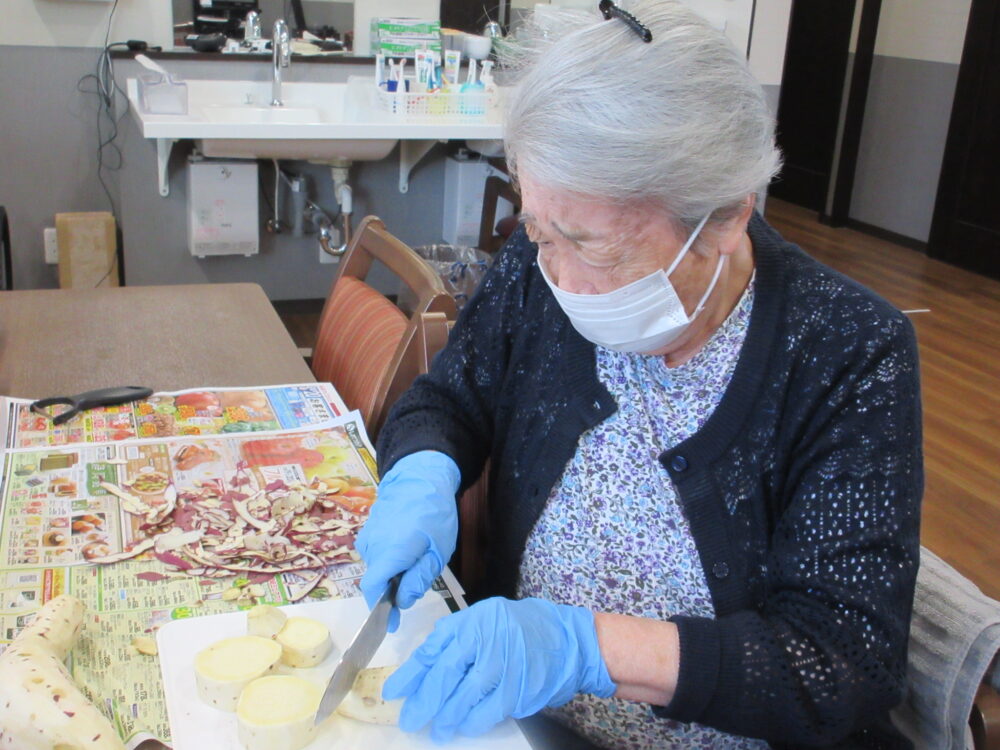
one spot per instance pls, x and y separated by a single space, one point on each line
708 292
680 256
687 245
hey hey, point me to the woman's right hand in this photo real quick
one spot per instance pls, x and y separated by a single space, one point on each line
412 528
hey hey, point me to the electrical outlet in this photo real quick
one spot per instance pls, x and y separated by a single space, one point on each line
51 246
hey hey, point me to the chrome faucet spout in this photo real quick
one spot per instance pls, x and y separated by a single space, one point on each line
281 45
251 27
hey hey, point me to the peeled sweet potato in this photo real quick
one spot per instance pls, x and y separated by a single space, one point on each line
40 706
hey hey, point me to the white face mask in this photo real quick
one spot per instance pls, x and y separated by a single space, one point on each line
643 316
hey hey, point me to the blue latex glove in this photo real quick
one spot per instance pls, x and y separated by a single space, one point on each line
412 528
498 658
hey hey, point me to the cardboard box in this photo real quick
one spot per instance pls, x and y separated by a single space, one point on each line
405 27
88 250
396 46
365 10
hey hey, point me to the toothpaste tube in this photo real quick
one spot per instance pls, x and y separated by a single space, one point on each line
421 70
433 72
452 65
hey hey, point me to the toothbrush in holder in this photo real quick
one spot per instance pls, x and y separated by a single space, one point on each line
471 84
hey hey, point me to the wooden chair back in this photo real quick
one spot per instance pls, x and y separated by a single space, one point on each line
468 563
495 189
365 345
426 336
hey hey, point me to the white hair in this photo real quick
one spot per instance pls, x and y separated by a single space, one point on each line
679 121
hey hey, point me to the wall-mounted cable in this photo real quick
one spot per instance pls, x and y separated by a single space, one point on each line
109 155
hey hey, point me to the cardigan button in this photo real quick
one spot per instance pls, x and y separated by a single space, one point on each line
678 463
720 570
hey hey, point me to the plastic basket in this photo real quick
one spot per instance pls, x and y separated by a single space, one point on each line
161 95
470 105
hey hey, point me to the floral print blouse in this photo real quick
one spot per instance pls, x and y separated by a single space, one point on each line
613 537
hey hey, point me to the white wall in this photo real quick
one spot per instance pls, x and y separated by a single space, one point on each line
770 35
917 54
84 23
770 29
733 16
931 30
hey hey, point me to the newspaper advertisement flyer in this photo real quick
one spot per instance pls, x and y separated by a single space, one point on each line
206 411
65 505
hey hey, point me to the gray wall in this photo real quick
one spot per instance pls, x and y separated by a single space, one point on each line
48 164
48 141
902 144
772 94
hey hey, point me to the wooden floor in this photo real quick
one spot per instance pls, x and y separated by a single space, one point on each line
301 318
960 369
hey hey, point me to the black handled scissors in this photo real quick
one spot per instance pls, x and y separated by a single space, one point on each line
88 400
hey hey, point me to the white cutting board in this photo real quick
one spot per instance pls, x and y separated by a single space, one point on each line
196 726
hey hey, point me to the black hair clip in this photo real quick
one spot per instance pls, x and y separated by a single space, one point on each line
609 10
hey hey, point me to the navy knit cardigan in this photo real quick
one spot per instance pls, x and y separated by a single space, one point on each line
802 489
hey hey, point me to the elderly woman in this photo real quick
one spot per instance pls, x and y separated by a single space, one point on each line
705 450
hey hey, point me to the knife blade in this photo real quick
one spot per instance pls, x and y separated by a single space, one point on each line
357 656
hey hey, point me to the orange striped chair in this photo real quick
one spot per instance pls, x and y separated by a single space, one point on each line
369 348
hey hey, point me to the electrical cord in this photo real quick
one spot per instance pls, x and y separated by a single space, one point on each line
309 203
106 88
263 191
277 197
280 174
274 224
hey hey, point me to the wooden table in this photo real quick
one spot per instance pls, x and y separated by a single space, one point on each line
65 341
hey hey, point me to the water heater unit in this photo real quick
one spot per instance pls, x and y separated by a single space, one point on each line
464 181
222 208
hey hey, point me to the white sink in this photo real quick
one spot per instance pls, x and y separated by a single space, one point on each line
263 147
324 122
323 150
251 114
318 111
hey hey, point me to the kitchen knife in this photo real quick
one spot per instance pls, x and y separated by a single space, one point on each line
366 642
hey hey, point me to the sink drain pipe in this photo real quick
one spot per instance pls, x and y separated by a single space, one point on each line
345 197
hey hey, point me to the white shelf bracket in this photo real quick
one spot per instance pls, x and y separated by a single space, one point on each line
410 154
163 148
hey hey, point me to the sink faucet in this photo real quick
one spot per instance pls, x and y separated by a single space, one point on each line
251 27
282 48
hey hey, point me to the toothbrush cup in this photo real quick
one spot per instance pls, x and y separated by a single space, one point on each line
478 47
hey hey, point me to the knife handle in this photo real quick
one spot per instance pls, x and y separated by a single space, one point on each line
392 589
111 396
89 399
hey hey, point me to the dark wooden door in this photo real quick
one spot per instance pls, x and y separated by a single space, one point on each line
966 227
812 86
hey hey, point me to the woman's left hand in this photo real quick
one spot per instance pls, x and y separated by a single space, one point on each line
498 658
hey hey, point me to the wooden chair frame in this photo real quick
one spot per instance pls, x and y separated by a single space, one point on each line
468 562
371 242
494 189
426 335
985 718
